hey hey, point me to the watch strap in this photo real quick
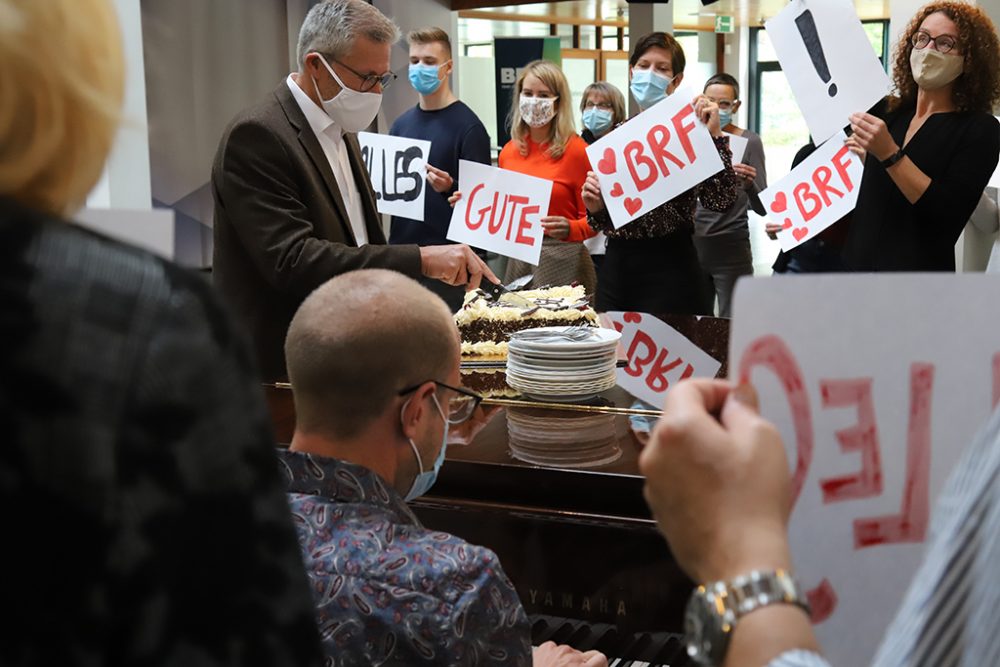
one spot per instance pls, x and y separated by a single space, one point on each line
759 588
893 159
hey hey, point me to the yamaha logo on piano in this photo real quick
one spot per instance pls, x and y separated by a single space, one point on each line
556 601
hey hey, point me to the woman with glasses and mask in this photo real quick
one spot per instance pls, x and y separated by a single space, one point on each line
602 109
544 143
930 149
651 264
722 238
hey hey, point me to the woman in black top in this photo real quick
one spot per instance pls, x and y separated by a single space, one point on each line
932 149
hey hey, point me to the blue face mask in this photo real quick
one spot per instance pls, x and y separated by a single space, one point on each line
425 479
648 87
598 121
424 78
725 117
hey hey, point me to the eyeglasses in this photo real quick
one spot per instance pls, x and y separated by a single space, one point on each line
725 105
460 407
603 106
369 81
943 43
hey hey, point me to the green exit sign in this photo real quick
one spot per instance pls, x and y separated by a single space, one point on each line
723 24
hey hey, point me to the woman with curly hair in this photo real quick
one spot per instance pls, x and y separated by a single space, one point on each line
932 148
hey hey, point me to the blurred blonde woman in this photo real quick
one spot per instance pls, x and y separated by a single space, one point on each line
137 479
544 143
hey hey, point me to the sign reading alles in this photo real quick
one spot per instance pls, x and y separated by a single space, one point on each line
500 211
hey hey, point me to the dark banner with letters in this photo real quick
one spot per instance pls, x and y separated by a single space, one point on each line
510 54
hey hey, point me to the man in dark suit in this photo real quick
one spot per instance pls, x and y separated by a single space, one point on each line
293 202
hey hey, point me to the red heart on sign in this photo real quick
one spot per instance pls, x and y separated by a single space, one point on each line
788 223
800 232
632 317
632 205
608 163
617 190
780 203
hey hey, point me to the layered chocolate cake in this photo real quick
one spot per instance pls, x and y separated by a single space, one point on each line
488 383
485 323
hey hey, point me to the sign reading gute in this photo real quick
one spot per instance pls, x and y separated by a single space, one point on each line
500 211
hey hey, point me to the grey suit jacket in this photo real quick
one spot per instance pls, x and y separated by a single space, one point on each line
281 226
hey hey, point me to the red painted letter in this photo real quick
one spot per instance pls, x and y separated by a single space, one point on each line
802 192
682 130
862 437
658 137
635 364
910 525
468 209
841 167
524 226
821 179
634 156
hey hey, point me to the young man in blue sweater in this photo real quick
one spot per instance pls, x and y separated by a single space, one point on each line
455 133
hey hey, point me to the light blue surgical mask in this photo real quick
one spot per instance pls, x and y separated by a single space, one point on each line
648 87
424 78
598 121
425 479
725 117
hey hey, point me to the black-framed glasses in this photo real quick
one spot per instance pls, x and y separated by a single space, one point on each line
944 43
369 81
460 407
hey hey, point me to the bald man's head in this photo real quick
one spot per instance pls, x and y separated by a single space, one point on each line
360 339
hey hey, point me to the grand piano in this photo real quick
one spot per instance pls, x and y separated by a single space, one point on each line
555 491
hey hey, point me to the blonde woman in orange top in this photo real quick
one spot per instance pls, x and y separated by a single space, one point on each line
544 143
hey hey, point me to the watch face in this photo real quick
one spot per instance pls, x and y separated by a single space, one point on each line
702 630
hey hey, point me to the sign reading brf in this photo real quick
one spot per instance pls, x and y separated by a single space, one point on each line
500 210
659 154
821 190
398 170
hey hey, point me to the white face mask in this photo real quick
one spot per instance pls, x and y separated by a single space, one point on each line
933 69
353 111
537 111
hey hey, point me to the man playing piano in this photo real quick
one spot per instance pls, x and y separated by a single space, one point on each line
375 393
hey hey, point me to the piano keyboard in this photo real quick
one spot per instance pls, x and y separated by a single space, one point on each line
641 649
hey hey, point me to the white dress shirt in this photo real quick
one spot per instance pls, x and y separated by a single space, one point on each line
331 139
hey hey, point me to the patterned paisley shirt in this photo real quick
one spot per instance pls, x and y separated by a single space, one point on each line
389 591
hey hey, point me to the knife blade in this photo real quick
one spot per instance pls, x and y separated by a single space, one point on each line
495 291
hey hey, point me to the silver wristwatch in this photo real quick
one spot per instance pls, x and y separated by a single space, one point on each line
715 608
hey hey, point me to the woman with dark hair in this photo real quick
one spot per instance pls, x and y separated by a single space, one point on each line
651 264
932 148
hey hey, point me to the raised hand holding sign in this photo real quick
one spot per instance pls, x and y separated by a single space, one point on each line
659 154
821 190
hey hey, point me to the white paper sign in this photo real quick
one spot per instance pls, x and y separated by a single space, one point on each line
398 170
821 190
829 62
738 145
500 210
652 158
876 383
659 356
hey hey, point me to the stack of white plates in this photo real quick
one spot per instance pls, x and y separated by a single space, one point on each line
562 363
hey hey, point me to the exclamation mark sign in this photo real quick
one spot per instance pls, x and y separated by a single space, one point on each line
810 37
